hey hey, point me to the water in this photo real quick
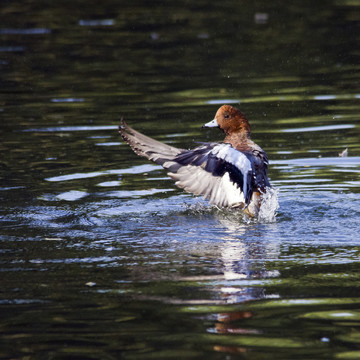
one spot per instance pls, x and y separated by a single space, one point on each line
102 257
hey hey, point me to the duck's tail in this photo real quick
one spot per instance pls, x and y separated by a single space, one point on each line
143 145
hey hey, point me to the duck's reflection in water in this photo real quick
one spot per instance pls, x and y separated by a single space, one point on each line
245 252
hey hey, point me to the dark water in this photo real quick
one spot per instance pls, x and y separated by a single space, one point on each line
101 256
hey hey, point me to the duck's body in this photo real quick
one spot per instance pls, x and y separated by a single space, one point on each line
229 174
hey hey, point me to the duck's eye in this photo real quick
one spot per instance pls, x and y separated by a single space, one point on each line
226 116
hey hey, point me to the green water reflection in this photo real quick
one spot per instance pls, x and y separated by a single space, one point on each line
101 256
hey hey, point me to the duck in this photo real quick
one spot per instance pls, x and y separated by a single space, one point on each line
229 174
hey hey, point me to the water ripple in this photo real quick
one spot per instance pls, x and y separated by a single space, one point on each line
33 31
319 128
140 169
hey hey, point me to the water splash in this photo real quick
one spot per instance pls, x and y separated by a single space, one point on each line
267 212
269 205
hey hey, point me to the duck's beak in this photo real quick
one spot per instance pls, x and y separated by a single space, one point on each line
212 123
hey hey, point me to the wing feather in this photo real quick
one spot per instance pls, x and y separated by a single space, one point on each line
145 146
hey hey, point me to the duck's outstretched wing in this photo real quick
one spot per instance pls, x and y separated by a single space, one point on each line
145 146
222 174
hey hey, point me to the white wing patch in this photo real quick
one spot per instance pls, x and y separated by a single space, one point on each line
232 156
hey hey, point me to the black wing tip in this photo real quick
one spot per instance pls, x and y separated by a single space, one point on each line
122 125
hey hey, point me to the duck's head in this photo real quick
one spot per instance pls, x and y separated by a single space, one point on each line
230 120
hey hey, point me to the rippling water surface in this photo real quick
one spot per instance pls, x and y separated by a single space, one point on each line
102 257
